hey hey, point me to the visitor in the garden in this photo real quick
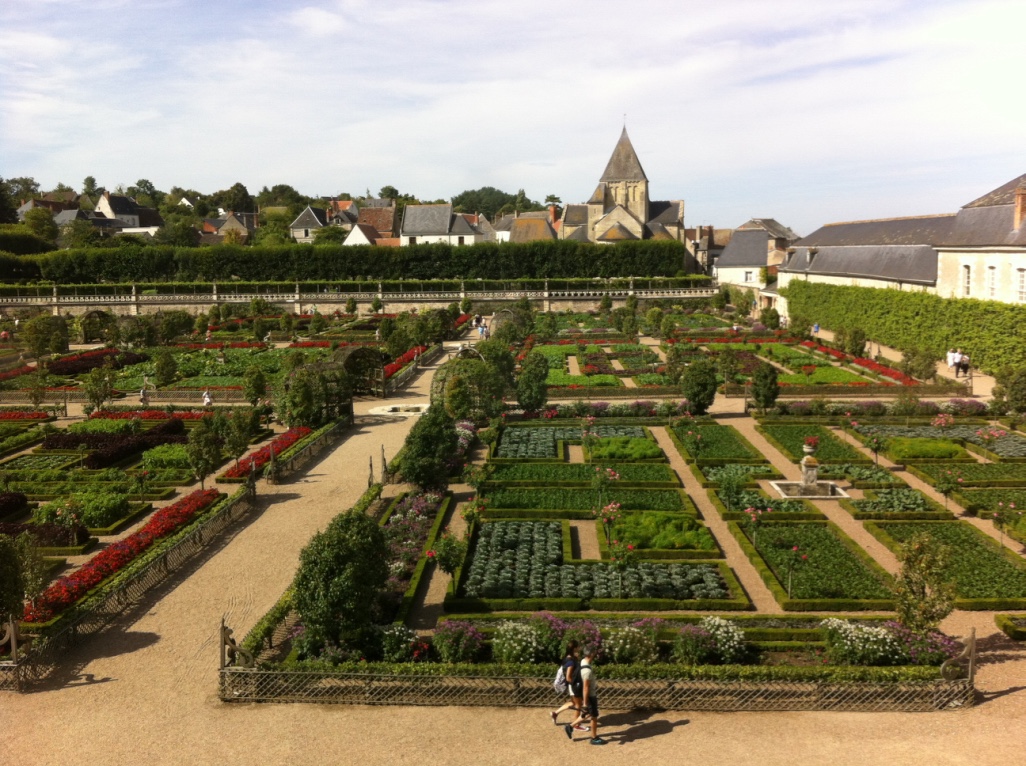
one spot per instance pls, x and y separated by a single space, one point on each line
208 400
588 693
815 329
963 365
571 667
957 361
951 359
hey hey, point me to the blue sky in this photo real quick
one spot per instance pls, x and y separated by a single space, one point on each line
806 111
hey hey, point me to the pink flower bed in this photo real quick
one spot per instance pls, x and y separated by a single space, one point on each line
262 456
112 559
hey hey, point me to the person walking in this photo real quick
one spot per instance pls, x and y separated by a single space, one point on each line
963 365
589 693
571 667
951 359
956 360
208 400
815 329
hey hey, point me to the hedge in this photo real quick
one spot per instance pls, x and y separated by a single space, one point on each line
992 333
1009 628
557 259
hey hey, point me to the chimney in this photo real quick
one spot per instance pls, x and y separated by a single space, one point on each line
552 214
1020 204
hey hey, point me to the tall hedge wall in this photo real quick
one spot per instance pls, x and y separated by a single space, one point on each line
18 239
992 333
560 259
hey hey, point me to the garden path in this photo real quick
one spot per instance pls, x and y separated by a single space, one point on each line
653 343
574 453
629 383
572 365
984 525
830 508
585 534
431 594
616 364
750 580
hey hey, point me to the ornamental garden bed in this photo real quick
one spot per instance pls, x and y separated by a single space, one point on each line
1012 625
578 503
791 509
790 440
520 565
973 474
661 536
709 475
985 502
1008 448
623 448
863 476
837 575
719 444
987 576
823 375
889 504
636 475
542 442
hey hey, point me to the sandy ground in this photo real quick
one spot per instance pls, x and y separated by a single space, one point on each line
145 691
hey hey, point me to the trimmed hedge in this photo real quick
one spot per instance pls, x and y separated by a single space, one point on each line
1007 626
988 330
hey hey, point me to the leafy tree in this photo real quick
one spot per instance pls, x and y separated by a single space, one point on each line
770 317
89 187
668 327
466 304
35 571
765 387
376 305
287 322
239 433
165 368
532 392
36 385
855 343
924 592
329 235
677 359
729 365
341 572
40 331
606 303
449 553
12 583
99 384
254 385
350 305
500 358
203 450
177 234
698 385
474 389
235 199
8 206
317 323
23 188
429 447
79 233
39 220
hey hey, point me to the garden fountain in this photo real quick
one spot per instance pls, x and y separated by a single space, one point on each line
810 487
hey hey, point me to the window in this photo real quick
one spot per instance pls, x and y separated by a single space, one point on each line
459 240
413 240
306 233
967 278
748 276
1022 285
991 281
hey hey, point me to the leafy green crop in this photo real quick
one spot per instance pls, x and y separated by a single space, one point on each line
792 439
583 499
560 472
718 442
896 501
625 448
663 531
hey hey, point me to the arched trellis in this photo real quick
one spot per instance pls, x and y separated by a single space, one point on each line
365 367
330 390
443 373
97 325
499 318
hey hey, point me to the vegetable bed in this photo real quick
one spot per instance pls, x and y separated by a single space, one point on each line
718 442
586 499
791 441
579 473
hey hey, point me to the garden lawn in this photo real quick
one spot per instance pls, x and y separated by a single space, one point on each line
980 570
718 442
792 441
832 571
584 499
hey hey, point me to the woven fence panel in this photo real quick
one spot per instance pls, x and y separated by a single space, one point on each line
251 685
46 653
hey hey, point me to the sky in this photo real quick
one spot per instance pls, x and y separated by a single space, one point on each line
802 110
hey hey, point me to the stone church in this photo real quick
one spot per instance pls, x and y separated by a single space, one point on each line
620 208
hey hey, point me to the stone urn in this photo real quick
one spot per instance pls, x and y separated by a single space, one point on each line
808 449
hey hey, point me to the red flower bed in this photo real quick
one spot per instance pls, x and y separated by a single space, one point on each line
729 339
883 369
402 361
76 364
263 455
147 415
825 350
461 320
21 415
233 344
68 590
24 370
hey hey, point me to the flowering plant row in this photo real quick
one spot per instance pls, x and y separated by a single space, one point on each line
68 590
327 343
402 361
23 415
147 415
233 344
461 320
16 373
76 364
262 456
882 369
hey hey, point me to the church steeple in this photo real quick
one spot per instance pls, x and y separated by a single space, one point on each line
624 165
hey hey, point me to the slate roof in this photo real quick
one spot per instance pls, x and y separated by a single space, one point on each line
895 263
579 235
920 230
657 231
531 230
426 219
377 202
575 215
748 247
983 226
67 216
311 218
504 223
1003 195
461 226
666 212
775 229
598 197
535 214
624 165
148 216
121 205
616 233
381 218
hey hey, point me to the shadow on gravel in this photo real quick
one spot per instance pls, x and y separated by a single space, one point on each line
642 730
982 697
997 648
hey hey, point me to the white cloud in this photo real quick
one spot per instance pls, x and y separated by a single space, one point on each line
803 110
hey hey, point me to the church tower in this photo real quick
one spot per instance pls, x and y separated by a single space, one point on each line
625 181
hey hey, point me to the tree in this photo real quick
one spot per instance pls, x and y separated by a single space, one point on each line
254 385
328 235
89 187
351 305
235 199
239 433
606 303
729 365
12 583
429 447
770 317
35 571
203 450
36 385
178 234
924 592
341 572
165 368
678 357
39 220
317 323
698 385
23 188
376 305
500 358
531 389
8 206
765 387
449 553
79 233
99 384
